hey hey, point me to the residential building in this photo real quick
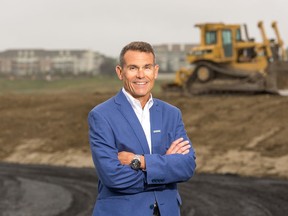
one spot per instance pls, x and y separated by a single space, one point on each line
171 57
40 62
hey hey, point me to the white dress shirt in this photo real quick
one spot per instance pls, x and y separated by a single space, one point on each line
142 114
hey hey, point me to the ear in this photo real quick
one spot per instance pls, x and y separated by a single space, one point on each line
156 71
119 72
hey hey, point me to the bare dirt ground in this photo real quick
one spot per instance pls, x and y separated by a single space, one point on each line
40 190
236 134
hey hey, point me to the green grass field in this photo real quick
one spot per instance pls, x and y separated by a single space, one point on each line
87 84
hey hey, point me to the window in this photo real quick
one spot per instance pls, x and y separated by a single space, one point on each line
238 35
210 37
227 42
226 37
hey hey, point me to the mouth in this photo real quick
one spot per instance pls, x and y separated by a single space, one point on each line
140 83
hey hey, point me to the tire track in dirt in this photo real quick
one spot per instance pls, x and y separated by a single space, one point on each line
258 139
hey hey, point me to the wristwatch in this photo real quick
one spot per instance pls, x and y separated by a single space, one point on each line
135 163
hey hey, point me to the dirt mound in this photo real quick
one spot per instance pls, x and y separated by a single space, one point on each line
239 134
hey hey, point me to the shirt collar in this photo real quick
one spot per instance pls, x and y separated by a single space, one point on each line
136 103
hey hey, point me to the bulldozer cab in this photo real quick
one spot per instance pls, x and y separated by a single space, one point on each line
221 43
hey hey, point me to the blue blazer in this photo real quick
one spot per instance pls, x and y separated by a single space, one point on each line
114 127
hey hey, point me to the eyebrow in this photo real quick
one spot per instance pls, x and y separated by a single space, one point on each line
132 65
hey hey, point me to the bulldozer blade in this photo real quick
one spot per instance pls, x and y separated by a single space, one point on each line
277 78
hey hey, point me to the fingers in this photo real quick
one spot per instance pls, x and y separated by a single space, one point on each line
185 149
179 146
176 143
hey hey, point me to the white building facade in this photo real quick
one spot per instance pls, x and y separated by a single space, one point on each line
40 62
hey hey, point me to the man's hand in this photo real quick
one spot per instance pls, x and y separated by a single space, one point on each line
179 146
125 158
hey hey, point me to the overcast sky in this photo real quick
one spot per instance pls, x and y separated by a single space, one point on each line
107 25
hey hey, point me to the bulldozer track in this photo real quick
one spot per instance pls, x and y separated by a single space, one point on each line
29 190
226 71
236 82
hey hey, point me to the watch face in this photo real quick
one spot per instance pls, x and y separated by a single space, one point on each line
135 164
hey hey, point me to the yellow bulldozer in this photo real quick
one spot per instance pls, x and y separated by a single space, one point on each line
226 61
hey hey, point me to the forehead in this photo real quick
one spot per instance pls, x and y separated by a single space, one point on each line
138 58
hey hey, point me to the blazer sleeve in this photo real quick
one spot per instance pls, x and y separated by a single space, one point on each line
173 168
117 177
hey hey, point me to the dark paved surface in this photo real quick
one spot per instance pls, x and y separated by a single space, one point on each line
34 190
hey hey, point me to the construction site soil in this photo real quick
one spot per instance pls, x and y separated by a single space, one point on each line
232 134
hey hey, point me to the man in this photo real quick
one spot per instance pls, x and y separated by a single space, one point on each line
139 145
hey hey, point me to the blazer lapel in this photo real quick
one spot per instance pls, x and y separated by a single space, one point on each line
129 114
156 127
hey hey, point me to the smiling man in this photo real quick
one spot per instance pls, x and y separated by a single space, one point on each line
138 73
139 145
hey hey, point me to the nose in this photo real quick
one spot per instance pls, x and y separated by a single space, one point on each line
140 73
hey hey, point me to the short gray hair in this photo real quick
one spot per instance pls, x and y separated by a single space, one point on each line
136 46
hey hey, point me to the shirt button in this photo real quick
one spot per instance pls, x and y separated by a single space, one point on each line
151 206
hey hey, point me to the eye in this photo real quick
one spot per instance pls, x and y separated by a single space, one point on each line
148 67
132 68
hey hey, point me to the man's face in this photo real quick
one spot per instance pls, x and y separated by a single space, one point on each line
138 73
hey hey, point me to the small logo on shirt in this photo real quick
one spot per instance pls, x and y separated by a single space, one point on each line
156 131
